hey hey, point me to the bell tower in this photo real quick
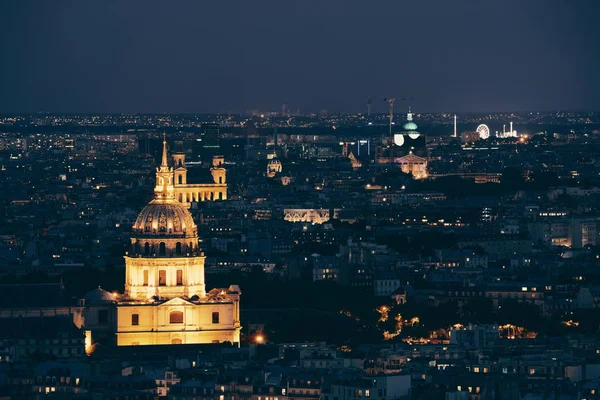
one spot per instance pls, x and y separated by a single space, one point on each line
180 169
219 173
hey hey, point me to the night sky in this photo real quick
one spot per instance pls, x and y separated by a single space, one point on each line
232 56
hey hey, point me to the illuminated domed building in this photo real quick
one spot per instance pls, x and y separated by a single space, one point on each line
165 300
408 137
408 141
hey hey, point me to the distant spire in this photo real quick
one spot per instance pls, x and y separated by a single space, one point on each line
164 153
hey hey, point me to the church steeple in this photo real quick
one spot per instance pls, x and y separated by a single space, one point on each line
164 153
164 189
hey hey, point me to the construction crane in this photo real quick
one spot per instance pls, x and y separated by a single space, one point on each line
369 106
391 102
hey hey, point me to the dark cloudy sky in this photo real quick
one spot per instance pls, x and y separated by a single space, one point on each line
232 56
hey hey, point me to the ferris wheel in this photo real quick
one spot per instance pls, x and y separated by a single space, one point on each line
483 131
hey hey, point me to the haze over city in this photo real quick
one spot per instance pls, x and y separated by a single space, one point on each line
231 57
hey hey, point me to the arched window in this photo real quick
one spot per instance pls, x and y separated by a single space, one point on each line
215 318
135 319
180 179
220 195
136 248
180 197
147 248
178 248
176 341
220 179
176 317
162 249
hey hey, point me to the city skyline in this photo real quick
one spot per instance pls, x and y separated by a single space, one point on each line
198 58
285 200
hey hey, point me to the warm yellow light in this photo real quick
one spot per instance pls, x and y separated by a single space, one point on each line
88 342
259 338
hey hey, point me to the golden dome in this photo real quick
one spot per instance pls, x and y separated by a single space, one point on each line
163 218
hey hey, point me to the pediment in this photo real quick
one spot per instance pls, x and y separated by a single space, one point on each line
411 158
177 301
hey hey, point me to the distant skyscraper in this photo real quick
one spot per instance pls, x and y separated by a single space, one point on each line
369 107
210 135
363 147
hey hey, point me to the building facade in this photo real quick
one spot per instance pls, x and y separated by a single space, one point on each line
165 300
412 164
186 193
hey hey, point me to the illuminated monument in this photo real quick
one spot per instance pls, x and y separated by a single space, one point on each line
411 163
407 148
165 300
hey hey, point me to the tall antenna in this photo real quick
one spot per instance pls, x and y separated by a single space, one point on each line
454 135
369 106
391 102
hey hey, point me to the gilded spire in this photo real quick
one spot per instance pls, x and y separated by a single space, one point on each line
164 153
164 176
